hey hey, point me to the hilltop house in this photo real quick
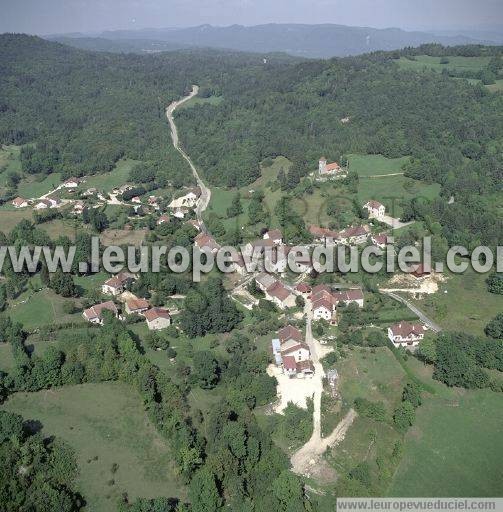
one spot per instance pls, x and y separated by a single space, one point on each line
19 202
136 306
117 284
72 183
406 334
375 208
95 313
157 319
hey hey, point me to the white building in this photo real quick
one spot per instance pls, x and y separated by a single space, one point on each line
406 334
95 313
157 319
376 209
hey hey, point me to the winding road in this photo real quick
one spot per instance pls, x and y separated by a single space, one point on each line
204 200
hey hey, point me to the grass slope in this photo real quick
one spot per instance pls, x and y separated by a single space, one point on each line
109 180
372 165
105 424
454 449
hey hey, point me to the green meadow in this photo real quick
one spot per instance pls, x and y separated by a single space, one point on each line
372 165
456 63
107 181
106 425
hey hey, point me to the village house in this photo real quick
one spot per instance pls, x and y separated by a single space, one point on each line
123 188
136 306
375 208
95 313
275 235
264 280
326 169
72 183
349 296
153 201
300 369
136 200
354 236
323 308
280 295
290 333
381 240
43 204
163 219
189 200
117 284
298 350
238 264
195 224
206 242
257 247
157 319
90 192
303 289
406 334
19 202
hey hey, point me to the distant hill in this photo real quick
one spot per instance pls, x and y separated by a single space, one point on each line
299 40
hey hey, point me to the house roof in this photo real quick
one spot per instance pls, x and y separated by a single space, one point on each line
289 332
380 239
373 204
156 313
289 363
322 302
96 311
420 271
119 279
163 218
279 291
348 295
262 243
321 288
18 201
303 288
204 240
274 234
303 366
264 279
334 166
137 304
405 329
354 231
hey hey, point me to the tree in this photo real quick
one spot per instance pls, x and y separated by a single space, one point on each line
495 283
203 492
206 370
299 301
62 283
404 416
236 208
494 329
288 490
427 350
412 393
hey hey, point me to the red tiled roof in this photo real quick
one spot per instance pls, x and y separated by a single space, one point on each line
97 310
405 329
289 332
289 363
274 234
155 313
279 291
137 304
374 204
334 166
303 288
295 348
305 365
204 240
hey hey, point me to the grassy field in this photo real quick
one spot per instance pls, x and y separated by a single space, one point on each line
456 63
106 425
109 180
372 165
454 449
194 102
44 307
6 359
496 87
9 162
391 190
60 227
463 303
10 218
33 186
122 236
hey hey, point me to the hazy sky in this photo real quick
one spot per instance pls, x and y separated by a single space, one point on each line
59 16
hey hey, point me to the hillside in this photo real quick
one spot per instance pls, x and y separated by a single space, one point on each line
314 41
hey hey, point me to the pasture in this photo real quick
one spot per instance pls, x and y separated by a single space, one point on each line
106 425
197 101
107 181
456 63
123 236
6 357
375 165
9 218
35 186
462 303
454 448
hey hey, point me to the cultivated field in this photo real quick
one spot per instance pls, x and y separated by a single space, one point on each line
106 425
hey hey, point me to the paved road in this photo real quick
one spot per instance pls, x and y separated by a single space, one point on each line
205 191
430 323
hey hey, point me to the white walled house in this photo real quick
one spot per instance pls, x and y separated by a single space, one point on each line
94 314
299 351
376 209
328 169
157 319
19 202
275 235
117 284
406 334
